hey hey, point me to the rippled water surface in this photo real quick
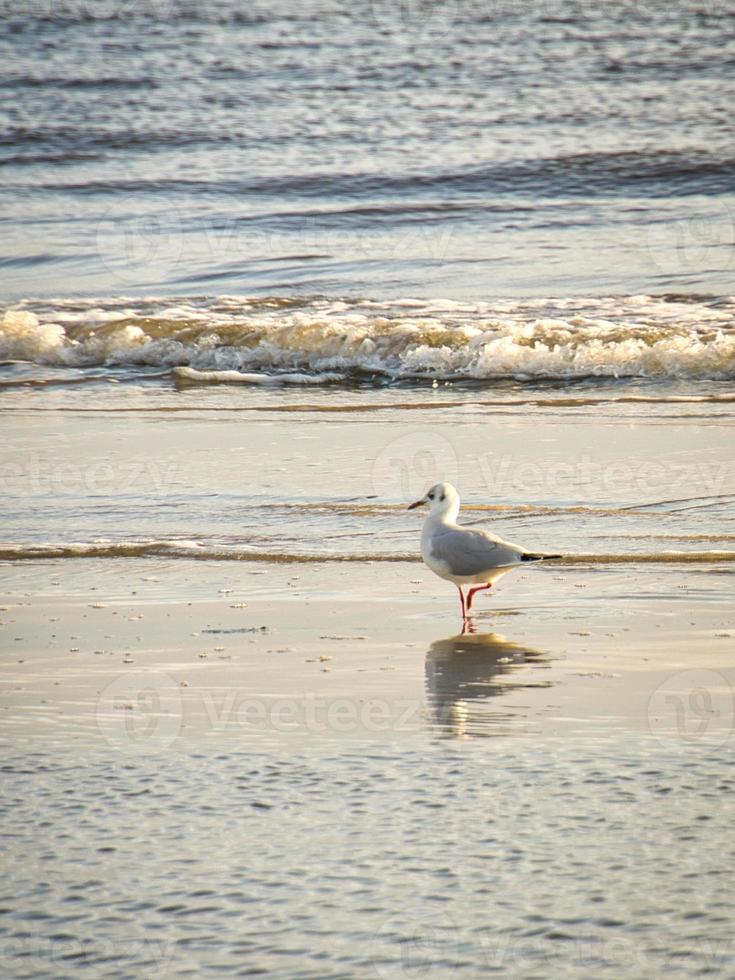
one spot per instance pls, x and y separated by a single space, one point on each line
459 148
590 859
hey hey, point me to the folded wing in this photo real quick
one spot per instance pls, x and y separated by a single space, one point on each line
469 552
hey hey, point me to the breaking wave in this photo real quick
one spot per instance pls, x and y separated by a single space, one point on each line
262 341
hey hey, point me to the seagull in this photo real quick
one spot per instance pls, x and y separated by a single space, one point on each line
463 555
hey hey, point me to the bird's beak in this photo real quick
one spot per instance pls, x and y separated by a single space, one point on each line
416 503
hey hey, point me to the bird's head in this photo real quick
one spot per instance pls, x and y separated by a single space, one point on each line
441 498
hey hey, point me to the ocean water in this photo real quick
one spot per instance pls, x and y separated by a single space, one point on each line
269 270
383 148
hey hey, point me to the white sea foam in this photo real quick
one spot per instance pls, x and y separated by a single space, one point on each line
23 336
249 340
252 378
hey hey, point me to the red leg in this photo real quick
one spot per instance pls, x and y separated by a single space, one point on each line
461 599
471 593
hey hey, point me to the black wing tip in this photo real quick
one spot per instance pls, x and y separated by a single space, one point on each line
529 557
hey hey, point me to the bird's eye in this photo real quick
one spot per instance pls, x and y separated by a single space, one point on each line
431 496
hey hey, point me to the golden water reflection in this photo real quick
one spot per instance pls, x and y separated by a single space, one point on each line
464 673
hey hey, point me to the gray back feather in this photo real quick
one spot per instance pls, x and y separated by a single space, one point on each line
471 552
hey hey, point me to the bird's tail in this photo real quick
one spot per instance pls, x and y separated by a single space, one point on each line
529 557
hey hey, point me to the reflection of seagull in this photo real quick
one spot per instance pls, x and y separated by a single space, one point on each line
464 555
465 669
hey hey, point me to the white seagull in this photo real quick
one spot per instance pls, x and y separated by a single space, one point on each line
461 554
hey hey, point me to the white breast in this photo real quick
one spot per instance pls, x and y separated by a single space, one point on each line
437 566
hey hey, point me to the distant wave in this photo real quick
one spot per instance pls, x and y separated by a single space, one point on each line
570 175
437 190
244 340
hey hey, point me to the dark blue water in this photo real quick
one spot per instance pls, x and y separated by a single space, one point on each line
463 149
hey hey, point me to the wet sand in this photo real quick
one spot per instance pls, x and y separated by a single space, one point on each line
290 658
314 774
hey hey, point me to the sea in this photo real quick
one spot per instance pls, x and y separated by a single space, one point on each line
268 270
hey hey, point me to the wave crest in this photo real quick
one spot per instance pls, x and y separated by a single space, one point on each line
242 340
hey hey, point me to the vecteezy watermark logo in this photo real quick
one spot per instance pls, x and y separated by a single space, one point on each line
693 705
128 245
408 947
410 19
699 243
505 475
75 10
411 463
136 955
257 714
141 712
38 475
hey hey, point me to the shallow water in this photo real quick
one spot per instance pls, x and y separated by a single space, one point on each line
604 859
601 471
